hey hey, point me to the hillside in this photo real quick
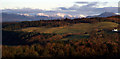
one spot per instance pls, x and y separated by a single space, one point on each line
76 28
80 37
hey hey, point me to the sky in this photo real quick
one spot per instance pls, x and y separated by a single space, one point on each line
49 4
59 7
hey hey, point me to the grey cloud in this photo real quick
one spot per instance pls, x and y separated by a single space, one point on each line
81 2
91 4
104 3
63 8
90 8
84 7
23 10
74 7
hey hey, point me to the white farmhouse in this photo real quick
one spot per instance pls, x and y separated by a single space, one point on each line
115 30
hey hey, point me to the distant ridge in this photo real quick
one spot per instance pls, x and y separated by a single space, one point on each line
6 17
9 17
105 14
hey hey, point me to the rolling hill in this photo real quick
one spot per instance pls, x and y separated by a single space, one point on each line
75 28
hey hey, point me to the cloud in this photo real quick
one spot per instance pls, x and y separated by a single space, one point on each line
88 9
104 3
91 4
82 2
63 8
23 10
61 14
25 14
42 14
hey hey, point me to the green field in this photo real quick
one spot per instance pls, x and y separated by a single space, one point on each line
75 28
76 37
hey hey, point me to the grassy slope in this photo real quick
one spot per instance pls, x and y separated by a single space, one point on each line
76 37
76 28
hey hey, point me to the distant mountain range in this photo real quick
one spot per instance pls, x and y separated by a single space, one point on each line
13 17
105 14
8 17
